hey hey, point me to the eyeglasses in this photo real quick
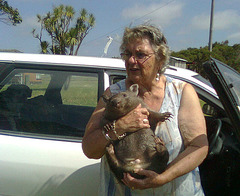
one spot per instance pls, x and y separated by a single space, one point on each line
139 57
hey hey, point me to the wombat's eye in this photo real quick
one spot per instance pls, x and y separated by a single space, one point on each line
124 95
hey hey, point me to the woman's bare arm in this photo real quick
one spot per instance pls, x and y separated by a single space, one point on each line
193 130
94 142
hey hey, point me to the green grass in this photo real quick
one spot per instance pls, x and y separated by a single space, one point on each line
202 103
82 90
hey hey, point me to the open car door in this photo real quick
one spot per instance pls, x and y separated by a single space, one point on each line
220 172
226 82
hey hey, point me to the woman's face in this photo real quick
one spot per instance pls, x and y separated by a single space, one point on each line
140 62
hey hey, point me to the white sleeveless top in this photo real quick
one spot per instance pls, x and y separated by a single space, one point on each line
186 185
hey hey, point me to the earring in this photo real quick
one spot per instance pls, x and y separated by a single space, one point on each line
158 77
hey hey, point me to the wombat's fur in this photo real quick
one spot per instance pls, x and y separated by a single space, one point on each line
140 149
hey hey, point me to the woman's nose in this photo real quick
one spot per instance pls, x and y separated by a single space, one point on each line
132 59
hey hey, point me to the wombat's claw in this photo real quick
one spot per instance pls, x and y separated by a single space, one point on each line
110 149
159 141
167 116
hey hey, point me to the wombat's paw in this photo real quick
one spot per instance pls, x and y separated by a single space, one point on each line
167 115
159 141
110 149
133 164
136 161
161 149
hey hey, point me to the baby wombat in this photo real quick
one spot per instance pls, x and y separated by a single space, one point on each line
140 149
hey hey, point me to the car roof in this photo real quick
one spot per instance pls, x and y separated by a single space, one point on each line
191 77
100 62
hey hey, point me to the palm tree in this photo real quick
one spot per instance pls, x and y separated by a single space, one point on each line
8 14
58 26
84 24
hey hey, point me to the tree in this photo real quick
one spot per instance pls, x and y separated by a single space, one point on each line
195 56
229 55
8 14
64 38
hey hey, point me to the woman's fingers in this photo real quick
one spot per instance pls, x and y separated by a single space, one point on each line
134 120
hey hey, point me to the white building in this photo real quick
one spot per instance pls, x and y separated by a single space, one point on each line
178 62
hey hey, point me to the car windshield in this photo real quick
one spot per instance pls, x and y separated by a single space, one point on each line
232 78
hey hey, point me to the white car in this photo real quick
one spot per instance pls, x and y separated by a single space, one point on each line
45 103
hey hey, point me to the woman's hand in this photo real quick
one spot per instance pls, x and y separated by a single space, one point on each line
133 121
152 180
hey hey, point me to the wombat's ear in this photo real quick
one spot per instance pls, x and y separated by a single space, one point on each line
105 98
134 88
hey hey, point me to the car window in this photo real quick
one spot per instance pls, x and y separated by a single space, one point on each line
45 102
116 78
232 78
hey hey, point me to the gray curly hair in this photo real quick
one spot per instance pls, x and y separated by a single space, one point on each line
156 38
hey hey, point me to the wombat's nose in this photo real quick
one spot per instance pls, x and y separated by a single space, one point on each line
116 103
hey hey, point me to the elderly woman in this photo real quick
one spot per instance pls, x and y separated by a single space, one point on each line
146 54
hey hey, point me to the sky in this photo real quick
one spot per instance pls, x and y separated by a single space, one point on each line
185 23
